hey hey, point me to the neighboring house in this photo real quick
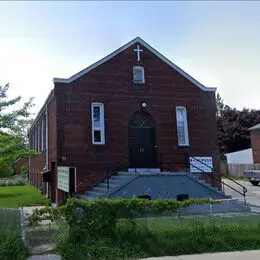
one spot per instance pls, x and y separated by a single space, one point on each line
240 157
255 142
133 108
18 164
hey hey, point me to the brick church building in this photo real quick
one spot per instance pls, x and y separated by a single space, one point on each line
134 109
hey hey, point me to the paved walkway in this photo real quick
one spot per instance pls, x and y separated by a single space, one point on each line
30 209
45 257
241 255
252 195
250 255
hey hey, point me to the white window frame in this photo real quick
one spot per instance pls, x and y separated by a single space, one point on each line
143 77
102 123
35 139
186 132
42 139
39 138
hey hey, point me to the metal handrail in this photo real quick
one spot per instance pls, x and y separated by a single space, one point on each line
79 185
111 167
219 180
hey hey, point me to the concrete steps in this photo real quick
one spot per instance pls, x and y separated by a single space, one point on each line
115 182
123 178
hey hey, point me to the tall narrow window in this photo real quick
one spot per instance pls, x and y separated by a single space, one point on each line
39 138
32 141
35 139
138 75
98 124
43 139
182 126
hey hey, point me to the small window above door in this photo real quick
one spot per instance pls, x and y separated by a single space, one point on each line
138 75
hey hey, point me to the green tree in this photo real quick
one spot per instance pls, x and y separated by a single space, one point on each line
14 123
219 104
232 126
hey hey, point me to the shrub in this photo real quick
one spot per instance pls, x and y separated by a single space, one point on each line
24 169
13 181
167 237
5 171
12 247
98 218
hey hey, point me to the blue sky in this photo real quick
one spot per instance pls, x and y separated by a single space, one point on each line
218 43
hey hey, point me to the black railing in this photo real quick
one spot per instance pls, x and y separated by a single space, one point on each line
181 158
219 180
110 170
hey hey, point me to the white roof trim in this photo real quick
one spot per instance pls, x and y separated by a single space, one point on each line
42 110
146 45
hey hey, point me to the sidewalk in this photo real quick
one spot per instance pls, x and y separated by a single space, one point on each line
241 255
29 209
45 257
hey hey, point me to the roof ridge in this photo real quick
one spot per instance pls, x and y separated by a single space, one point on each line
124 47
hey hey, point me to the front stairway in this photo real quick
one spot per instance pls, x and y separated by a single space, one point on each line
155 184
166 185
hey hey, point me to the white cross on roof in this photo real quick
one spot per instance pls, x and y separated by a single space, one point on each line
138 51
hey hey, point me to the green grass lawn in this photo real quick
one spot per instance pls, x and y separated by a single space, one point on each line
169 237
16 196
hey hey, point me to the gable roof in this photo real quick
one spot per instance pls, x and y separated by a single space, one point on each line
124 47
255 127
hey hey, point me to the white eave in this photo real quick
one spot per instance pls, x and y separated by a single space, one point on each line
42 110
147 46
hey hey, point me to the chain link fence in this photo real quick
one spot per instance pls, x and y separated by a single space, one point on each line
46 235
10 220
39 239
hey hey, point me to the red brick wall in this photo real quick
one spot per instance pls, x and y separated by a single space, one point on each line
37 163
111 83
255 142
52 143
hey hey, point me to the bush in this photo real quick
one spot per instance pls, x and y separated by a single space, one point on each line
98 218
17 180
24 169
12 247
164 237
5 171
108 229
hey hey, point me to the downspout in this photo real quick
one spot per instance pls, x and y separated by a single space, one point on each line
47 148
29 161
46 139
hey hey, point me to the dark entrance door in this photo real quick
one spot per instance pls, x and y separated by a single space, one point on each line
142 151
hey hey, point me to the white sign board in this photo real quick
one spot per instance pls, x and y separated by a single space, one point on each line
63 178
201 164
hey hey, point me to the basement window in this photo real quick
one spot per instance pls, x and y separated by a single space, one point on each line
98 125
138 75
